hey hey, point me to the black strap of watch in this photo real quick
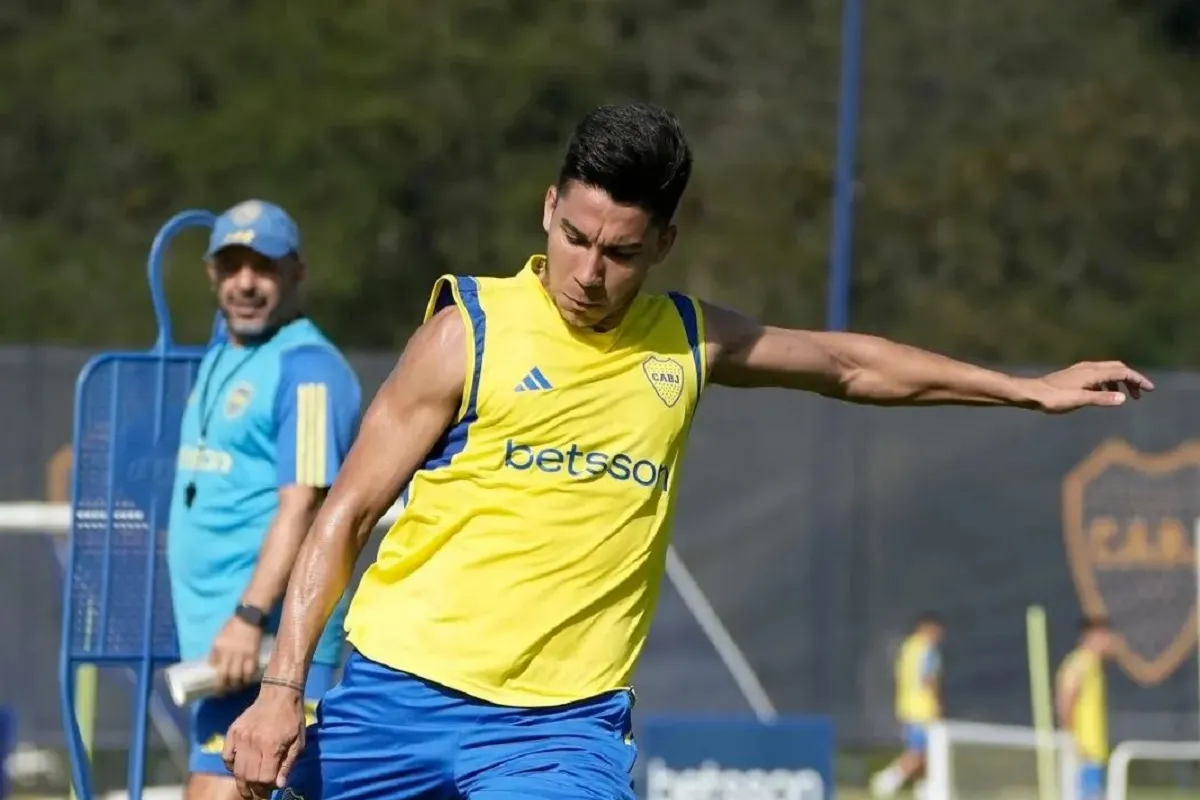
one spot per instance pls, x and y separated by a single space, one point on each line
251 614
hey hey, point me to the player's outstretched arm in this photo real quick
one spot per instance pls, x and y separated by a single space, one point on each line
413 408
868 369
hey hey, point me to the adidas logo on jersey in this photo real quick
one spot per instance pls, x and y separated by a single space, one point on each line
534 381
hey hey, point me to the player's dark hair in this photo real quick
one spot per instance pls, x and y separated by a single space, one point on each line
928 618
1094 623
635 153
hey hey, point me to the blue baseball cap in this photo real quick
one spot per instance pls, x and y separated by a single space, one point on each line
263 227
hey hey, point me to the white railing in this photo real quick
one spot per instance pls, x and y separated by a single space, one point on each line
36 518
1126 752
55 518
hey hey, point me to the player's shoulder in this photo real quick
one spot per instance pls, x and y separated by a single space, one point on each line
500 292
465 293
669 298
475 284
914 643
317 370
304 334
476 306
1079 659
668 307
309 356
315 357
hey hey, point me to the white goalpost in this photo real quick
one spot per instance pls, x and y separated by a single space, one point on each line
1126 752
984 761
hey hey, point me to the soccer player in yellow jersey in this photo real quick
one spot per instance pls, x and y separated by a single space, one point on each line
918 702
534 429
1081 704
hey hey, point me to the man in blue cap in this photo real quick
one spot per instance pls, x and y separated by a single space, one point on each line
273 412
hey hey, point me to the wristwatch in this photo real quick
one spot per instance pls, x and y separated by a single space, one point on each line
251 614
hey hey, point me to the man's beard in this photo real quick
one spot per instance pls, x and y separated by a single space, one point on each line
246 327
250 329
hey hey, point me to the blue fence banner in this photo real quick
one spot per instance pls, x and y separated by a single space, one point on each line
8 744
697 758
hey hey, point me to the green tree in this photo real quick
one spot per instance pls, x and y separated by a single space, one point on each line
1026 178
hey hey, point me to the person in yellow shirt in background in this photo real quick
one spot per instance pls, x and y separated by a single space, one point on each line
918 703
1081 704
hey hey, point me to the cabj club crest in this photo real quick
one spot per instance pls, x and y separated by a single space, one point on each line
666 378
1128 520
238 400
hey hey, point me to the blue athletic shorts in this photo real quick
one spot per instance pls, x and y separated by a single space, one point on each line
386 733
915 737
1091 781
212 717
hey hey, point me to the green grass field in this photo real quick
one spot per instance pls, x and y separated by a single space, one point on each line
983 774
858 793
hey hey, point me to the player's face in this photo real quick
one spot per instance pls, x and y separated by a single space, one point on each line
253 291
598 254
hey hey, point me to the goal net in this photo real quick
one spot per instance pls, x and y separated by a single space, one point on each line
978 761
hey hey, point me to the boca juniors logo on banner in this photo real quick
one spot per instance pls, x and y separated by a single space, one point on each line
1129 519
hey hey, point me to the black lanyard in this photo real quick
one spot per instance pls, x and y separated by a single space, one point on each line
189 494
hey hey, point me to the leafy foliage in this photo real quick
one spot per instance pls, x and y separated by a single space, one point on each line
1028 171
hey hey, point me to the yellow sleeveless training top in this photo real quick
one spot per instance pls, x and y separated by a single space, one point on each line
526 563
916 700
1090 716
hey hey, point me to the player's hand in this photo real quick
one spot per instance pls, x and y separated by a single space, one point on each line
263 743
1090 383
235 654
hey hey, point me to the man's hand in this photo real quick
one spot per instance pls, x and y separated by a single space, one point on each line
235 654
1091 383
263 743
